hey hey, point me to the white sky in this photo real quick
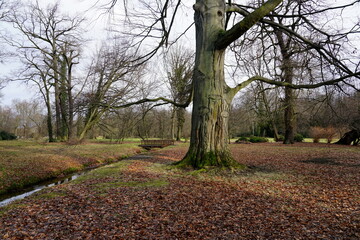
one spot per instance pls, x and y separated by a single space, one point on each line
96 22
95 25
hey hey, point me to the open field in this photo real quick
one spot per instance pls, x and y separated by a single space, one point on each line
302 191
26 162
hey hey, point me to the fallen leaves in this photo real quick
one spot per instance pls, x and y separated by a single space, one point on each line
280 197
24 163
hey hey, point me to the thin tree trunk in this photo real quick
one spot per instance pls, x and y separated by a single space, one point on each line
63 102
71 109
180 112
289 116
269 114
172 130
49 117
287 76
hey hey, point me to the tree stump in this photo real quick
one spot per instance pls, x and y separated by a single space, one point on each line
349 137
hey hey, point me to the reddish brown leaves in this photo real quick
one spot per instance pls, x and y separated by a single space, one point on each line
283 196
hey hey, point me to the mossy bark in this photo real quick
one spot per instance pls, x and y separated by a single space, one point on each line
211 102
212 96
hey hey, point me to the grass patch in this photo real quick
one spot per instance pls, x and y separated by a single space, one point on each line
50 195
109 171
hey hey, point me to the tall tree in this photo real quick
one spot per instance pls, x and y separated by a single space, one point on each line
46 42
112 77
297 59
212 96
179 76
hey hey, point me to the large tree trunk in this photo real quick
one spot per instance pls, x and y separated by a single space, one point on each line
211 102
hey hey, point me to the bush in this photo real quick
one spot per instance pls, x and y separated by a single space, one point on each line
6 136
298 137
254 139
280 139
319 132
242 139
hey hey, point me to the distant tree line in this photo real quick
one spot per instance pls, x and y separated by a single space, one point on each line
111 93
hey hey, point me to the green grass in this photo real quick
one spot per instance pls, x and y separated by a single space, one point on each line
109 171
50 195
9 207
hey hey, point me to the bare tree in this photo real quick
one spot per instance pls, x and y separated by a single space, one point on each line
113 77
212 96
48 47
179 76
296 60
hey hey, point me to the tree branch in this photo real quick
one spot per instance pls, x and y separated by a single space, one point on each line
241 27
233 91
145 100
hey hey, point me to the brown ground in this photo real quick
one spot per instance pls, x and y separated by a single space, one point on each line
302 191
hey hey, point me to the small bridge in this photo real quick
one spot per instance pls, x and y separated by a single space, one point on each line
148 144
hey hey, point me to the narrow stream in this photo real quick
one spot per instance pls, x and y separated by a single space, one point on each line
10 197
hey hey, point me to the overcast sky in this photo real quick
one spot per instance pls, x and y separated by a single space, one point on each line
96 22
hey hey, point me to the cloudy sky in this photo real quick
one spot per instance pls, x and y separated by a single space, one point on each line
97 21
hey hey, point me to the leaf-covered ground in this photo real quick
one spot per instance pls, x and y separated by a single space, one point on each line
26 162
304 191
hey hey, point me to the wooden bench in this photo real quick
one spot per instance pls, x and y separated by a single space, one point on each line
148 144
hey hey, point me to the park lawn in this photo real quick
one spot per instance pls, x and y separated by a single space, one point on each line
300 191
24 163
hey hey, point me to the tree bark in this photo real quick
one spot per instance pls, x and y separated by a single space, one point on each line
289 116
172 130
211 102
212 96
49 123
287 69
180 113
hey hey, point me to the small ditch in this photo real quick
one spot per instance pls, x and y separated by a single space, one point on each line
8 198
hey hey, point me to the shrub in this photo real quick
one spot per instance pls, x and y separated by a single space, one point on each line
6 136
319 132
254 139
316 133
330 133
298 137
280 139
242 139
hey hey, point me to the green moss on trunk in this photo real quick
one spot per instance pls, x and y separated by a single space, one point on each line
199 160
